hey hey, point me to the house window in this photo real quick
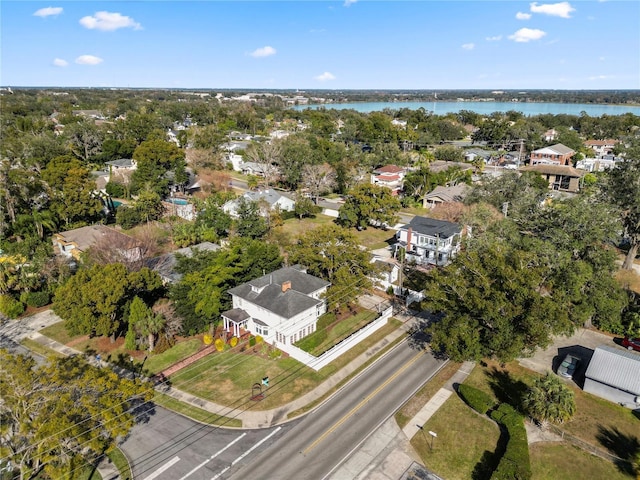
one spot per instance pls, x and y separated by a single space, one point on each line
262 330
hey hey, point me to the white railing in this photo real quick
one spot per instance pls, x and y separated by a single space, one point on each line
334 352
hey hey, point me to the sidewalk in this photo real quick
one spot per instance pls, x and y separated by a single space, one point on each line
386 454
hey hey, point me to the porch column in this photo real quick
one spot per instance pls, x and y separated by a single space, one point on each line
236 330
225 323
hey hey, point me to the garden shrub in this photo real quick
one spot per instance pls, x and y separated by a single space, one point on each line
480 401
207 339
252 341
515 462
164 343
36 299
10 307
259 339
233 342
219 344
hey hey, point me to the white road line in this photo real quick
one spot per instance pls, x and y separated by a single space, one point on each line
163 468
221 473
212 457
248 452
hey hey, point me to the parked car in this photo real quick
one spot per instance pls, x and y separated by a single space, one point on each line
631 343
568 366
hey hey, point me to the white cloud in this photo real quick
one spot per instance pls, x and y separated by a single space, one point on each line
109 21
562 9
263 52
468 46
59 62
494 38
88 60
48 12
602 77
348 3
523 16
527 34
325 77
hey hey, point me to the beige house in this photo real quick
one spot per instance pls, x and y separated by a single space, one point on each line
73 243
562 178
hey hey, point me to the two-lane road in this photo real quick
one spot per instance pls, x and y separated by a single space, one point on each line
170 447
321 441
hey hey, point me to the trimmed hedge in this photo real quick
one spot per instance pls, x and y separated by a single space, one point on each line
36 299
11 307
480 401
515 462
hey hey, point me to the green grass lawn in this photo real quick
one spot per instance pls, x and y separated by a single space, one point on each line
39 349
227 377
598 422
371 238
463 438
58 333
551 461
198 414
157 363
331 332
415 403
120 461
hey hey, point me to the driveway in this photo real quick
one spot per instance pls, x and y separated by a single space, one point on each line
582 344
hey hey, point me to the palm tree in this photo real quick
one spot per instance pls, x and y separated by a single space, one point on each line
549 400
152 325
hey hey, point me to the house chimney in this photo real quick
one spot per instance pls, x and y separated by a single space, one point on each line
409 231
286 286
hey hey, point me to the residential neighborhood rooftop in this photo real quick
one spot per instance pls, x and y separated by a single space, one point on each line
616 367
433 227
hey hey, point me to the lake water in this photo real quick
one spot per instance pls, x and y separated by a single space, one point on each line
527 108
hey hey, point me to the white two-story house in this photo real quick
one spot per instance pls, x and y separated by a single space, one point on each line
282 306
429 241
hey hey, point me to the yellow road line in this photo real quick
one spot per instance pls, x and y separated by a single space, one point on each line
361 404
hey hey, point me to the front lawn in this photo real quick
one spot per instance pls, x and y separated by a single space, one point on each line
159 362
464 444
331 331
598 422
550 461
227 378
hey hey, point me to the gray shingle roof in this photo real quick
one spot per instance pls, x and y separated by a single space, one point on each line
267 293
122 162
236 314
433 227
615 367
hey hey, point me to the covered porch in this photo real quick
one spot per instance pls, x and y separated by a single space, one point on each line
235 321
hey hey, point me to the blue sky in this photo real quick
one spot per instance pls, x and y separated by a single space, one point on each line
322 44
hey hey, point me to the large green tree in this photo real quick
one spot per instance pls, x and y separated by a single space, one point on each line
368 204
622 188
93 301
332 253
201 295
61 416
154 159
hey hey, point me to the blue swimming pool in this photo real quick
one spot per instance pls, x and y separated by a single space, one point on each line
177 201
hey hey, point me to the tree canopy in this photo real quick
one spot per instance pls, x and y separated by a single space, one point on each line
57 416
332 253
93 301
368 204
201 295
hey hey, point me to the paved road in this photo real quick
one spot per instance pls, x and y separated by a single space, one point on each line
315 447
168 446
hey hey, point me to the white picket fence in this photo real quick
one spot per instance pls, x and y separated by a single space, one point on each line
334 352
